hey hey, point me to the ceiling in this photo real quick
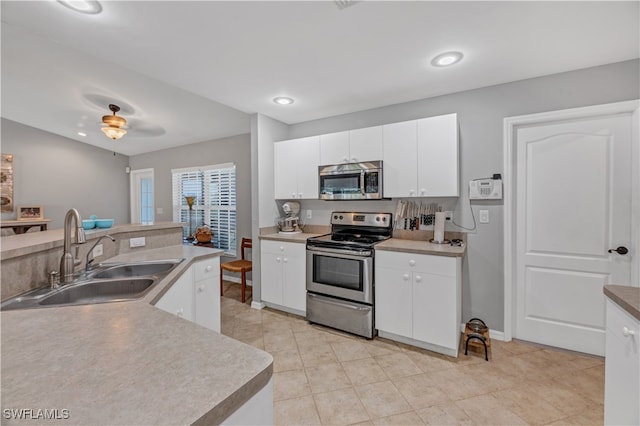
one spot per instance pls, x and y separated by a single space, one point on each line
185 72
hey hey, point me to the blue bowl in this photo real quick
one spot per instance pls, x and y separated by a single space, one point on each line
88 224
104 223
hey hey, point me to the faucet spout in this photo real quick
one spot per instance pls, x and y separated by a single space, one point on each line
88 262
68 260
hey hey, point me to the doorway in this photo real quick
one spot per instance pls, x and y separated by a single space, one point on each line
569 200
142 199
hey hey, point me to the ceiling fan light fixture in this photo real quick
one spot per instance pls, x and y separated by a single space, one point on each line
90 7
114 129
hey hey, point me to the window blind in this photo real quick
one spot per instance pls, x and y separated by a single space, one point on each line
214 189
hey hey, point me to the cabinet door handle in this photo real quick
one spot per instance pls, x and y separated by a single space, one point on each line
285 260
405 277
201 288
299 194
412 262
293 195
209 268
418 279
354 159
345 159
626 332
281 248
412 192
423 191
180 313
278 259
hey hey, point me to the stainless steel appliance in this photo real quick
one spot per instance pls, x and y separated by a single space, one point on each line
340 279
290 223
352 181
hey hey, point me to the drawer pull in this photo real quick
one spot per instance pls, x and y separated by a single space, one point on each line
405 277
626 332
209 268
412 263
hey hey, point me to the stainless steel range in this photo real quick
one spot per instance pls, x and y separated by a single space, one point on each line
340 277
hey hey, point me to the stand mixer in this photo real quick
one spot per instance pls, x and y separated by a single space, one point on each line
290 223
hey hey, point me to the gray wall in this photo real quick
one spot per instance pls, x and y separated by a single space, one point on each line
480 114
235 149
59 173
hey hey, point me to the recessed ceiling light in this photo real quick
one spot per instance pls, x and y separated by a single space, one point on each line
446 59
282 100
82 134
83 6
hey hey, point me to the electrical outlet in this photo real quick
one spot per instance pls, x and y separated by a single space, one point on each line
309 214
159 210
98 251
484 216
137 242
448 215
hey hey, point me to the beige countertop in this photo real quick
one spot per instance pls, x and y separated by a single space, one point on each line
628 298
127 362
292 238
31 242
421 247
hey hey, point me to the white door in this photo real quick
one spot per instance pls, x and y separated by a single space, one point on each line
573 192
141 189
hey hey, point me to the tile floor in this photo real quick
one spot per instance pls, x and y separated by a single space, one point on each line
323 376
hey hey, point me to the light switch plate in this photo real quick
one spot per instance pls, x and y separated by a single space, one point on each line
309 214
137 242
484 216
159 210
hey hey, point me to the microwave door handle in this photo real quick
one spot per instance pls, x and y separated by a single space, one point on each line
362 189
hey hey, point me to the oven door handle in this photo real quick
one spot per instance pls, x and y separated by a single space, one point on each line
362 189
340 304
349 254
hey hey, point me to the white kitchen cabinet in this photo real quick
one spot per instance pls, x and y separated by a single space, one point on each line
622 367
178 300
195 296
421 158
399 148
296 168
283 275
438 174
352 146
418 300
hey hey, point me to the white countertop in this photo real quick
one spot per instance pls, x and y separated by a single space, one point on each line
127 362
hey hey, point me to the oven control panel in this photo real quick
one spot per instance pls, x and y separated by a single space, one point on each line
382 220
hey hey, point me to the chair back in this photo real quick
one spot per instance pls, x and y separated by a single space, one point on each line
245 244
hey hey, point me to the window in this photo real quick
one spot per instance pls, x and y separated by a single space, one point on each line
214 192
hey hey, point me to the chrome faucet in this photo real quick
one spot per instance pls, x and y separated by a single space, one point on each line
68 261
87 264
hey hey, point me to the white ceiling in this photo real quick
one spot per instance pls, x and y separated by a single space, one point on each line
186 72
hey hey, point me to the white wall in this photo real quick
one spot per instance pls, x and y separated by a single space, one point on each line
60 173
480 114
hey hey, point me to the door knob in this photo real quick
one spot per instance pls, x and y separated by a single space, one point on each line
620 250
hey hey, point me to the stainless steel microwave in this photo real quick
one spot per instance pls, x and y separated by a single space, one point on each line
351 181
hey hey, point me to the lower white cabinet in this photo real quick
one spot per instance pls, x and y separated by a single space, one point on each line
622 368
418 300
195 296
283 275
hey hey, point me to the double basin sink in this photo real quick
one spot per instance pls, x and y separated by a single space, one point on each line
107 282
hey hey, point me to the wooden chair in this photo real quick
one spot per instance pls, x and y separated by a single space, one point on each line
241 266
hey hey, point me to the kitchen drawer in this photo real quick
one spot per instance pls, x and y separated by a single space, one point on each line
279 247
620 323
206 269
438 265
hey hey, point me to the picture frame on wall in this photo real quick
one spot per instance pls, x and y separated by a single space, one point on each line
30 213
6 182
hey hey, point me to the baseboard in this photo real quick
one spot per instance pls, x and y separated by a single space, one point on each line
258 305
494 334
235 279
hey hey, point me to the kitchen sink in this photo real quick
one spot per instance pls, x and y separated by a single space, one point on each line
107 282
99 291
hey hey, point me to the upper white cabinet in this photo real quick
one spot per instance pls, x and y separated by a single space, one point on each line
296 168
421 158
352 146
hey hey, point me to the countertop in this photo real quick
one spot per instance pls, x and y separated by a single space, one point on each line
421 247
31 242
291 238
127 362
628 298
